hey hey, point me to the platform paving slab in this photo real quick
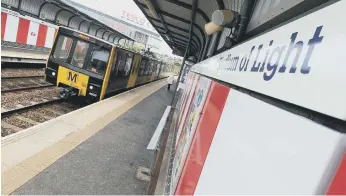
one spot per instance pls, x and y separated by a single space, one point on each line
106 163
26 153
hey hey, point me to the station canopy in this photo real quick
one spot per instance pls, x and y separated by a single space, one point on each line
179 21
200 29
59 13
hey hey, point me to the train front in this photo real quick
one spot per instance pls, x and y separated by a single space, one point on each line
78 64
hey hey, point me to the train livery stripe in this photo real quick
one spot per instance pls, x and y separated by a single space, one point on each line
134 71
107 74
42 32
11 28
23 29
202 139
3 24
337 186
33 33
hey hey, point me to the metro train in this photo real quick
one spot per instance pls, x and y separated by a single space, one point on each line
89 67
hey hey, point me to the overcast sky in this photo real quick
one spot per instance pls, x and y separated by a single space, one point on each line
115 8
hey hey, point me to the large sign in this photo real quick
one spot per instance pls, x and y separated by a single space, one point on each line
301 62
136 19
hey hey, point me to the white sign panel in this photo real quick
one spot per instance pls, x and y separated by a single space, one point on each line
248 155
301 62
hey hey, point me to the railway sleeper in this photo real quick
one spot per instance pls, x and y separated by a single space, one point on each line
28 120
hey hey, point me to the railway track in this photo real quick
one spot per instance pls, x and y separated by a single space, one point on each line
7 113
26 106
26 88
21 77
21 72
20 83
19 119
28 100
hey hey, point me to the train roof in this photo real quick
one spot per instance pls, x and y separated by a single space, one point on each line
109 43
92 36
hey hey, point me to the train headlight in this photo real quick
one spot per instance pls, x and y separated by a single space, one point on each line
91 87
53 73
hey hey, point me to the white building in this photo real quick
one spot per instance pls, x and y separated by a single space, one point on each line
128 23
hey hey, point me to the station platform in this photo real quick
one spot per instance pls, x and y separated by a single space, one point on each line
23 55
94 150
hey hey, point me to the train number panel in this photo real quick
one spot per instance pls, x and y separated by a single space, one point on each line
73 79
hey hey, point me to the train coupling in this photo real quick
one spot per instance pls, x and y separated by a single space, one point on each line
68 92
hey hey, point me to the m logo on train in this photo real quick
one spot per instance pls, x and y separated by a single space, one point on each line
72 77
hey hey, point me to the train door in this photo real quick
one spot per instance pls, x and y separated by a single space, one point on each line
153 72
120 71
134 72
142 70
149 70
159 69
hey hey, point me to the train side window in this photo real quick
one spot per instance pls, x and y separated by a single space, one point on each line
79 54
133 70
63 48
98 61
137 67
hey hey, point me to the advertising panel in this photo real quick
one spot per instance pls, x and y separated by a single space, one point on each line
184 140
187 97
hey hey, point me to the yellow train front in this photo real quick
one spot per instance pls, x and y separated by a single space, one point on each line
89 67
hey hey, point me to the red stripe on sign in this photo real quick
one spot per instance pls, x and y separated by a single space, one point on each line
3 24
202 139
23 29
41 37
338 185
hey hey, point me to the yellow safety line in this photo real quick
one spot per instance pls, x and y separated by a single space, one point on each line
16 176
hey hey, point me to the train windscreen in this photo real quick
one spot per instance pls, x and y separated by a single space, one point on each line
98 61
84 55
63 48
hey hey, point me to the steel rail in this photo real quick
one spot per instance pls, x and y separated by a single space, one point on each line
26 108
26 88
21 77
